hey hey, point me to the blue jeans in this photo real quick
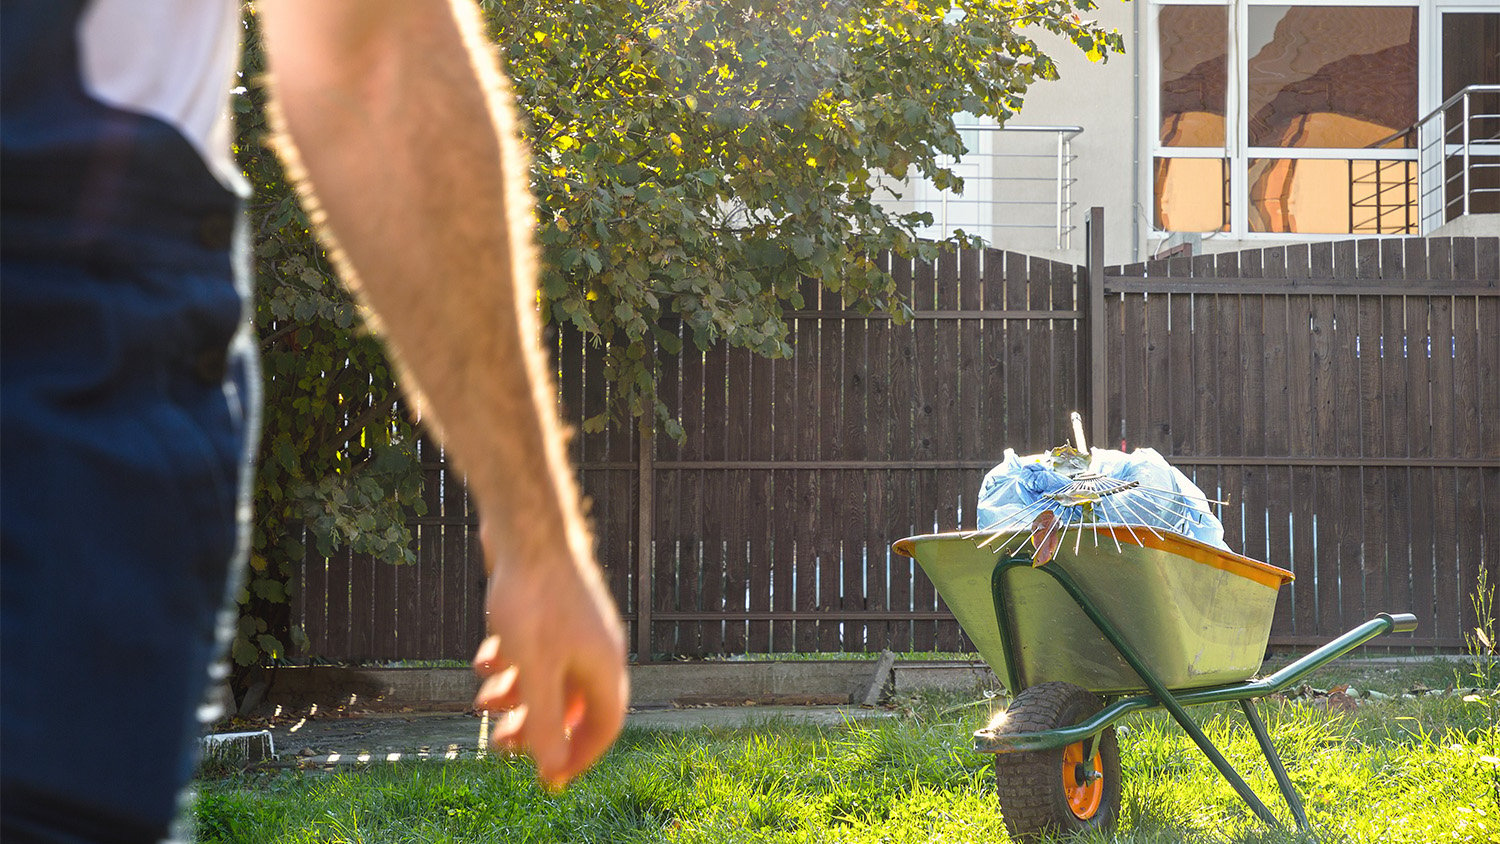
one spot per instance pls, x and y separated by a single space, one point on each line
128 407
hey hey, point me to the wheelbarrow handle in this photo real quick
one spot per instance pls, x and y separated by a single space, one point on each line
1401 622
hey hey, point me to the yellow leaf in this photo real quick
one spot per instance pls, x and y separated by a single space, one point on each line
812 162
258 562
1095 55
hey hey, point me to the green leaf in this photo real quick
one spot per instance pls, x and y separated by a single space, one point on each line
270 646
243 652
269 590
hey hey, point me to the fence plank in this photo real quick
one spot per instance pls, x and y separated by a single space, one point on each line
760 510
310 607
805 518
336 567
1182 373
782 553
1017 387
832 497
429 597
1133 378
1344 489
690 571
928 382
462 591
362 607
992 376
714 512
880 527
970 443
1041 396
948 407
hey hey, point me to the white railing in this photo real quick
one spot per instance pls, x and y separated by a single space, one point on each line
1010 174
1459 154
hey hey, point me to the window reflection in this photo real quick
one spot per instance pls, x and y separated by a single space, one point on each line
1333 196
1194 74
1331 76
1192 194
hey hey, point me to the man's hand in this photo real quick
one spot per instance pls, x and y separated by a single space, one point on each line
553 666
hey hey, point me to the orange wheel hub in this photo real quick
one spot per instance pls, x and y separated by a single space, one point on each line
1084 798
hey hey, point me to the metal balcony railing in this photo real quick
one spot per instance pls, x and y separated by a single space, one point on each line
1011 174
1459 156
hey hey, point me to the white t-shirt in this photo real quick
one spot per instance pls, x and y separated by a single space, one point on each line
174 60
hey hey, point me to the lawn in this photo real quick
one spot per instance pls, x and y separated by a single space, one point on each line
1404 769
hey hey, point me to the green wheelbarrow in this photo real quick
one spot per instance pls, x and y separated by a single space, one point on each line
1132 619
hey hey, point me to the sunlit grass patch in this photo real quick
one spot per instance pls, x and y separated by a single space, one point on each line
1395 770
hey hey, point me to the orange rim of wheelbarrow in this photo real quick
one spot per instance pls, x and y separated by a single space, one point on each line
1084 798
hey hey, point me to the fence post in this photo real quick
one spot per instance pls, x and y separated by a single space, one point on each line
644 539
1097 368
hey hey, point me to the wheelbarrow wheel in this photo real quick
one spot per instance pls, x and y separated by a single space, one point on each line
1057 791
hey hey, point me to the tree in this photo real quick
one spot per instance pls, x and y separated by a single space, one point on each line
695 162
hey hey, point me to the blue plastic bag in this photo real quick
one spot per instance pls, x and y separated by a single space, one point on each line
1163 498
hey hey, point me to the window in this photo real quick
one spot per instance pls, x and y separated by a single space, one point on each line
1282 118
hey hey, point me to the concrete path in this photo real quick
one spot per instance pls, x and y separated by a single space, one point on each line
376 737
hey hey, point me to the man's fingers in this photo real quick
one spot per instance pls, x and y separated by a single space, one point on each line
488 657
499 691
541 730
600 705
505 730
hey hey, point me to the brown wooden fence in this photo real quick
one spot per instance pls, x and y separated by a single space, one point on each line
1343 397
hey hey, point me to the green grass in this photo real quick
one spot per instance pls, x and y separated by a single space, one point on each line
1414 770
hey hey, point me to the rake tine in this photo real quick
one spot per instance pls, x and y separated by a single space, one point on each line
1023 517
1141 514
1169 509
1027 517
1021 535
1053 529
1131 512
1179 493
991 533
1116 518
1016 533
1170 500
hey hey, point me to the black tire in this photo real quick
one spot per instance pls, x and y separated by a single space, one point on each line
1039 791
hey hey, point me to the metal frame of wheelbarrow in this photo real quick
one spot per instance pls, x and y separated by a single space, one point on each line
1174 702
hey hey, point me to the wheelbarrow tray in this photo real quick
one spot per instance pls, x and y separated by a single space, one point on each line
1198 616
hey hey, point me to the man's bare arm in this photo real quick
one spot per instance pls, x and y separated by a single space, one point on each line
398 123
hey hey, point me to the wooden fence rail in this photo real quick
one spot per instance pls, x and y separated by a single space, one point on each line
1343 398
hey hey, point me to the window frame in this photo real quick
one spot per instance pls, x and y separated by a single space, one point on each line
1237 149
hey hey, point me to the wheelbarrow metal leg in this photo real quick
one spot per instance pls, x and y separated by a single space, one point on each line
1288 791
